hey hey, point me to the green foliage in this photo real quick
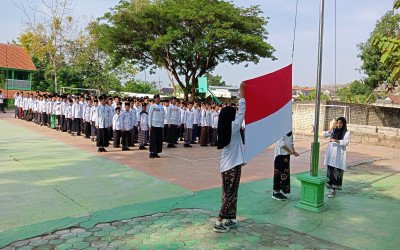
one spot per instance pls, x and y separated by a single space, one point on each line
188 38
312 96
371 55
141 87
215 80
356 92
389 47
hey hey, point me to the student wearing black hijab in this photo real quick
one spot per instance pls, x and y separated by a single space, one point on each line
335 157
232 160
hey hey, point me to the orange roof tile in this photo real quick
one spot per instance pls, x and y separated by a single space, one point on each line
394 99
15 57
9 94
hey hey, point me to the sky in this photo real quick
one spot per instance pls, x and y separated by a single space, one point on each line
355 21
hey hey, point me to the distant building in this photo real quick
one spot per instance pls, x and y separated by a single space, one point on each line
18 67
224 91
297 91
167 91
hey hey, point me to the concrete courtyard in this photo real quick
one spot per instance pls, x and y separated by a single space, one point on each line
57 192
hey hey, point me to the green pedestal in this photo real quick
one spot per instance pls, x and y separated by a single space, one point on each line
312 193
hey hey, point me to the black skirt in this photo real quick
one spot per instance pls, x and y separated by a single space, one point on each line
102 137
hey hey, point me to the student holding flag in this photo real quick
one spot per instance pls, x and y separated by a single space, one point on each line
232 160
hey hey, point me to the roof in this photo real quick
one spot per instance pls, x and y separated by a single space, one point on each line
394 99
167 90
15 57
302 88
9 94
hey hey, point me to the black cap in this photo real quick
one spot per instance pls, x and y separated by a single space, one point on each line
156 96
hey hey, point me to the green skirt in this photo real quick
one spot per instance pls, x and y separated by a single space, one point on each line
53 121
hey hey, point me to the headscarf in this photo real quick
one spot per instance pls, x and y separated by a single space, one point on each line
226 117
338 134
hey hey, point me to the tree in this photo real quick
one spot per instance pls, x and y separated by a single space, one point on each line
188 38
356 92
214 80
312 95
389 47
370 53
141 87
51 22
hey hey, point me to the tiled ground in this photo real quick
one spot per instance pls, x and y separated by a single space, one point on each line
183 228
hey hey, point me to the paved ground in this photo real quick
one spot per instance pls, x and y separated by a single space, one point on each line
65 194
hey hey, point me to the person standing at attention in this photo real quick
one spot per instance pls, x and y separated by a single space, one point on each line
335 156
156 125
232 160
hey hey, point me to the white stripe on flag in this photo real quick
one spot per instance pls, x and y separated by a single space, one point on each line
263 133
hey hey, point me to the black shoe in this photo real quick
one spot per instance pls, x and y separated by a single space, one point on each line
279 196
173 146
181 139
220 228
99 150
170 146
104 150
156 156
142 148
151 156
126 149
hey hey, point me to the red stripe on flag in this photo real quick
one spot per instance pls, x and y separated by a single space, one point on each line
267 94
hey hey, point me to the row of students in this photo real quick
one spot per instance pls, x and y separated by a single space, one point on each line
99 119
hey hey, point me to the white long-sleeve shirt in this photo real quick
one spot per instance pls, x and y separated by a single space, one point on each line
336 155
233 154
127 120
156 116
173 115
86 113
77 110
188 118
143 121
196 116
214 119
103 116
284 141
117 122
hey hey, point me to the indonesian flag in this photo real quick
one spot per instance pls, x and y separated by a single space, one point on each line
268 110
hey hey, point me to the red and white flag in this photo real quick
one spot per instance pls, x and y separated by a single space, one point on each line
268 110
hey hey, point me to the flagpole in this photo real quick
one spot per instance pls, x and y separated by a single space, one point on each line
316 144
312 185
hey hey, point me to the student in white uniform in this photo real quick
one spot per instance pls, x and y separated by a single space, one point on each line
214 125
103 118
335 156
232 160
93 111
156 125
127 126
57 112
143 126
77 114
117 127
283 149
2 102
68 116
173 119
87 110
196 121
166 104
188 119
204 122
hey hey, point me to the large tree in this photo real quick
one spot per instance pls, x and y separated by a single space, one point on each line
51 21
188 38
377 72
389 46
215 80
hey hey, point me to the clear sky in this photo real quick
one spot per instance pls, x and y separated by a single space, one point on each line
355 20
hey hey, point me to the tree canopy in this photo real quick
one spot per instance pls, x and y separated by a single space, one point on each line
389 47
370 52
215 80
356 92
188 38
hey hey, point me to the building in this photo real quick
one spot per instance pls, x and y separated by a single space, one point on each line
224 91
297 91
17 66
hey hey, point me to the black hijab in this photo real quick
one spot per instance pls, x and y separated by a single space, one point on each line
226 117
338 134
